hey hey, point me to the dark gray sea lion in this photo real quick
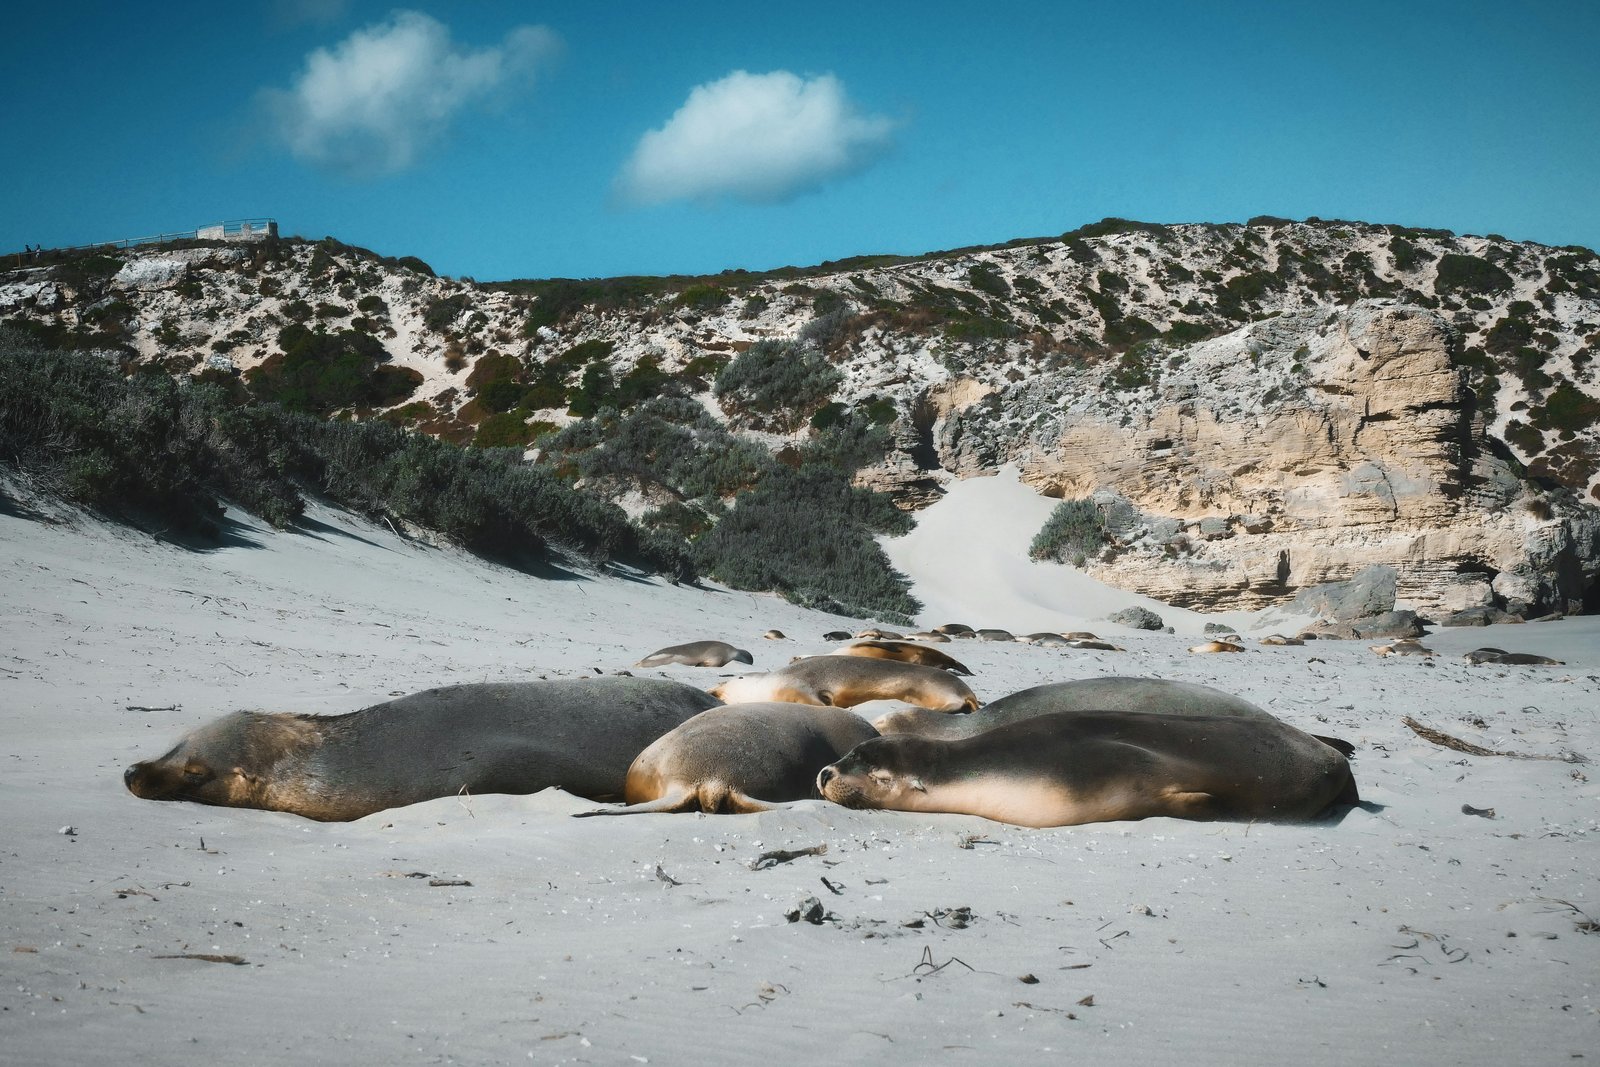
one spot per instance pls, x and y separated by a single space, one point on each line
1094 645
953 629
1069 768
875 634
905 652
928 635
1149 695
740 759
996 635
496 737
845 681
836 635
697 654
1519 659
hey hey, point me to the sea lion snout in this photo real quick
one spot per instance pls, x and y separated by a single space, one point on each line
824 776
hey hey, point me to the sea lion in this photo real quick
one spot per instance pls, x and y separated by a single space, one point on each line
1501 656
740 759
845 681
1279 639
697 654
1406 646
497 737
953 629
774 635
1046 640
996 635
1095 645
1217 646
928 635
905 652
1155 696
836 635
1068 768
1081 635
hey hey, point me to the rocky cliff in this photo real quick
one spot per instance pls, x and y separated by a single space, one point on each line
1254 407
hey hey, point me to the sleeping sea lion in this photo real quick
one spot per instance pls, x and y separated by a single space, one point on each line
1069 768
1406 646
1501 656
836 635
1217 646
1279 639
740 759
905 652
953 629
1150 695
1045 640
845 681
996 635
497 737
697 654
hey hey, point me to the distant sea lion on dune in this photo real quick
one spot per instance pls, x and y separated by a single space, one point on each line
740 759
506 737
697 654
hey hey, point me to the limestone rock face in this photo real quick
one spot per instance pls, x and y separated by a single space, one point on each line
1295 451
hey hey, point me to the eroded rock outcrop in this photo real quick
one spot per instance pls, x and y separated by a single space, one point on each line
1294 451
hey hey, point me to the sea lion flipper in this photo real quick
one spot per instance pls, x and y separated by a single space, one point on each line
1338 744
680 800
737 803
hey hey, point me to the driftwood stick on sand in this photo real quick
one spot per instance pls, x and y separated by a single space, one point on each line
1427 733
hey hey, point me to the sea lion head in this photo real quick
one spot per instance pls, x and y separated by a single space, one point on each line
745 689
883 772
227 762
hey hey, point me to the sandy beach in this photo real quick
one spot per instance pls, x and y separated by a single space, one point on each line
1409 931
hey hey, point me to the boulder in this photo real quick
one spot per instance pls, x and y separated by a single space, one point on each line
1137 618
1370 592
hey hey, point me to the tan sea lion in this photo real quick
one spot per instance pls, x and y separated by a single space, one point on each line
1217 646
1081 635
774 635
845 681
1045 640
697 654
740 759
1406 646
1155 696
993 634
503 737
1279 639
1069 768
953 629
928 635
905 652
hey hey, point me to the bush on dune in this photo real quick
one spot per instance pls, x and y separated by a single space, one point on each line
150 448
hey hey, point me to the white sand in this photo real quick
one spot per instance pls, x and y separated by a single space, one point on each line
1386 938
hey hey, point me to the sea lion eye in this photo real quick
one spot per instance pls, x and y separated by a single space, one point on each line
881 777
194 775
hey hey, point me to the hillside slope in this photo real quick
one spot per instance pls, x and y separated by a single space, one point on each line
1214 384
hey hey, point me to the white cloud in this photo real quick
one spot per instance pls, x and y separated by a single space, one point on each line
763 138
376 101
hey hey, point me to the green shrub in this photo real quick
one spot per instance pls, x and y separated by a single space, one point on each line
506 429
1074 531
776 384
984 278
1470 274
1567 407
808 535
704 298
322 372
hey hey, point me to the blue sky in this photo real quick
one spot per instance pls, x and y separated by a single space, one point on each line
502 140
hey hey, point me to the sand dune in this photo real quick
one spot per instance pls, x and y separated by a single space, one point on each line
1408 932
